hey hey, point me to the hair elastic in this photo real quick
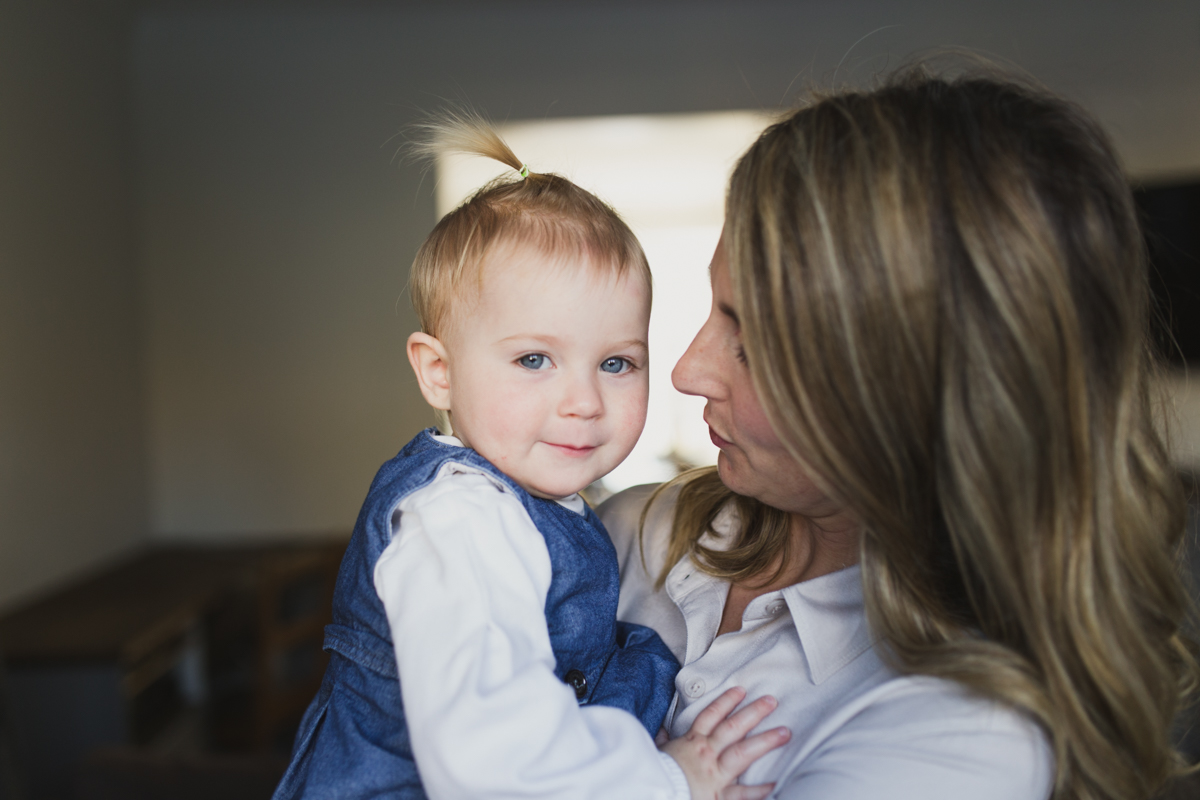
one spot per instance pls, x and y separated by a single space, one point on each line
524 170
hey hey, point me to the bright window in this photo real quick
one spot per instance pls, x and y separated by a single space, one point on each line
666 176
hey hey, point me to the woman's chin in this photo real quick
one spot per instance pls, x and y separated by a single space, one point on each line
728 473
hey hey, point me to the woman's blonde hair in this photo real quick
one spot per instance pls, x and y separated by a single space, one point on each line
540 210
943 295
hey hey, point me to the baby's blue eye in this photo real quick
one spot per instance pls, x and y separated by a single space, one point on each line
614 365
533 361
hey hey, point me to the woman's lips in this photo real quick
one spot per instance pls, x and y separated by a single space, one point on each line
717 440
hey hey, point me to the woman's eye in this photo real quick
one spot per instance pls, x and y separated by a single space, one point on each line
615 365
533 361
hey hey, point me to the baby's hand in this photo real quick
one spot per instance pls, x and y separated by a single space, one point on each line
716 751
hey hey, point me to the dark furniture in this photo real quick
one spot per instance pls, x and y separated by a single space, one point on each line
176 650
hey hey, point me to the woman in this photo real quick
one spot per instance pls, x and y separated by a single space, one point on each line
941 526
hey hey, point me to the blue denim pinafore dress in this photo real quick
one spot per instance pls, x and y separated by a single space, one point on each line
353 740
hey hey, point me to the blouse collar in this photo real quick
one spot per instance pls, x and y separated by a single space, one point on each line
826 611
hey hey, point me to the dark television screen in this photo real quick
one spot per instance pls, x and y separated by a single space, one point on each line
1171 219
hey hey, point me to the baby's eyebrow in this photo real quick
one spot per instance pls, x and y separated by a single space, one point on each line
633 343
531 337
639 344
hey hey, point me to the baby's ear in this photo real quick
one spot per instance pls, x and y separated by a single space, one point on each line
432 366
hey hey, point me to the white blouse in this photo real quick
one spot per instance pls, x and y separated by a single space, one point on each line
464 584
860 731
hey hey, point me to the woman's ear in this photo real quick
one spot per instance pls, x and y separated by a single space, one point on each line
432 366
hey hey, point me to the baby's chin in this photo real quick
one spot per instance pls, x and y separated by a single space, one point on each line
550 491
555 486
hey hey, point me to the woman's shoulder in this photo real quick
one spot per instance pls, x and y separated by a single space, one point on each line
641 556
622 517
624 509
924 737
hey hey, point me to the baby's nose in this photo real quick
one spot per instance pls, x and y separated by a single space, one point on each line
581 399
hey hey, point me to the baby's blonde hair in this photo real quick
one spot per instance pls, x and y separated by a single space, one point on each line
542 210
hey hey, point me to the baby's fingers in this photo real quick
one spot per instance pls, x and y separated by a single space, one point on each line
739 792
738 725
718 710
734 759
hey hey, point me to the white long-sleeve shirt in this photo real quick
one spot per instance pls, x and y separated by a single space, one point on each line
860 731
464 584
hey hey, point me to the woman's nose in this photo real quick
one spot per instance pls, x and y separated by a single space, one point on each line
695 372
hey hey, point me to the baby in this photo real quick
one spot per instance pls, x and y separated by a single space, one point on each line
475 650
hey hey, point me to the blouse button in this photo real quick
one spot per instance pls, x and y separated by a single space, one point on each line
695 688
578 681
775 607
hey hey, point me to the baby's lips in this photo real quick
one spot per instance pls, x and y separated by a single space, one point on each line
582 448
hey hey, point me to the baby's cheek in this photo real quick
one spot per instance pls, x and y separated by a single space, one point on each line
495 421
630 418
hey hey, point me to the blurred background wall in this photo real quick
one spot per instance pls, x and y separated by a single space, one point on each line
73 447
205 231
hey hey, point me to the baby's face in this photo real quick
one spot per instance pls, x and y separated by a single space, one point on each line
548 371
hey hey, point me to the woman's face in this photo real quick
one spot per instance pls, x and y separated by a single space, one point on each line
752 462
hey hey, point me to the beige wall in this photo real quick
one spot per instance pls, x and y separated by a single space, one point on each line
72 480
278 227
259 344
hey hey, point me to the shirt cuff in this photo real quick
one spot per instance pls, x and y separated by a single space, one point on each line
679 784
